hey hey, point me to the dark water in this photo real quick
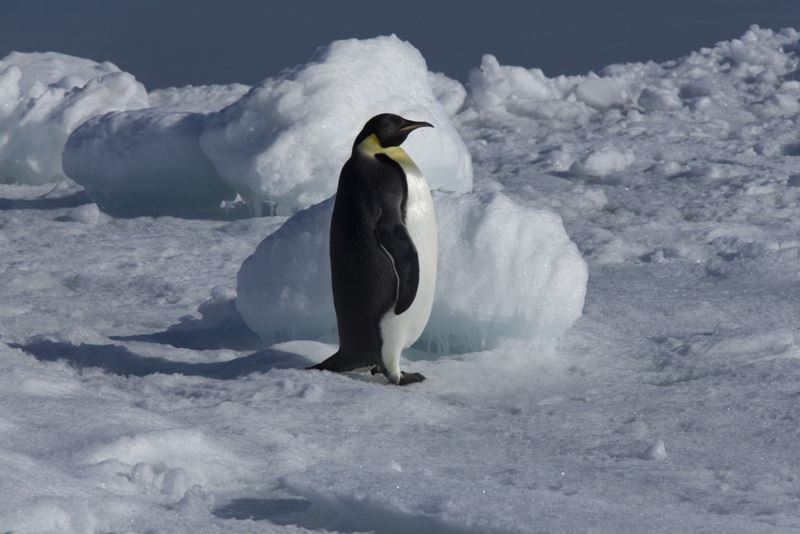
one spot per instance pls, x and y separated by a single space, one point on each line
177 42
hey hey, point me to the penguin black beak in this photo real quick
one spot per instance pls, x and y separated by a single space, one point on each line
413 125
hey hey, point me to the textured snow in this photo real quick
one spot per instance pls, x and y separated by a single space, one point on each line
43 98
134 400
504 271
286 140
197 98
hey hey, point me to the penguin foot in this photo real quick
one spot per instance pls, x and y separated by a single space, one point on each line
410 378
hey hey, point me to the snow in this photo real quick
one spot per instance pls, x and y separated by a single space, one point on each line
282 142
286 140
197 98
133 399
146 161
504 271
43 98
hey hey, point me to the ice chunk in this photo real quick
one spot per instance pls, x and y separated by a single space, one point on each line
655 99
505 270
287 139
284 289
146 161
496 88
43 98
602 162
493 84
599 93
449 92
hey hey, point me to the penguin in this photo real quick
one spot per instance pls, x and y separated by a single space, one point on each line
383 247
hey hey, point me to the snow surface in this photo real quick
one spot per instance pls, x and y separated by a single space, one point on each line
504 271
133 399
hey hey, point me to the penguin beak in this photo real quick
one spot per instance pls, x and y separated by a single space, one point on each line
413 125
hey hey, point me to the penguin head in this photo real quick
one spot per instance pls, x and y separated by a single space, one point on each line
390 130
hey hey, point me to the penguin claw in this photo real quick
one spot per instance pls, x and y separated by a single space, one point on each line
410 378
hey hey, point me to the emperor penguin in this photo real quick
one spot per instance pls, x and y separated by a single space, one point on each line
383 247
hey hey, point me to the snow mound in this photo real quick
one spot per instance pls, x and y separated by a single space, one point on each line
736 81
197 98
287 139
43 98
505 270
144 161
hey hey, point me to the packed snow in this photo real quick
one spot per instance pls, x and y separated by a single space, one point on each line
504 271
135 399
43 98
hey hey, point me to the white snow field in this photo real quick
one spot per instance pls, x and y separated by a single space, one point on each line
134 399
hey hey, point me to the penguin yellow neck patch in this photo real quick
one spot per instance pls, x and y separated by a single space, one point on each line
371 147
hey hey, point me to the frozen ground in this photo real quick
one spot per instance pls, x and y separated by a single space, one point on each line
133 400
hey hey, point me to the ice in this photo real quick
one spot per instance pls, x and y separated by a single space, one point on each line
600 93
504 271
197 98
146 161
287 139
282 142
602 162
43 98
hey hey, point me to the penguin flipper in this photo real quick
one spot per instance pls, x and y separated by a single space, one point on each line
395 241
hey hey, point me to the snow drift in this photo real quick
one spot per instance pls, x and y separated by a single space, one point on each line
43 98
504 271
145 162
282 142
286 140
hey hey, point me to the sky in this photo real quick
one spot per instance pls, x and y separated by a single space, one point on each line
179 42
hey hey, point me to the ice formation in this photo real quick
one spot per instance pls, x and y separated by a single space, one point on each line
145 161
43 98
286 140
283 141
735 81
504 271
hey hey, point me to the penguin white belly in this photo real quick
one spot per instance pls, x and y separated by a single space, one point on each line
400 331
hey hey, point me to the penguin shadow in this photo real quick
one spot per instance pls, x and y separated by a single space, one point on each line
221 327
119 360
338 514
73 200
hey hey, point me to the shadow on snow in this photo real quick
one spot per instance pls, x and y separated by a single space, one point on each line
337 514
121 361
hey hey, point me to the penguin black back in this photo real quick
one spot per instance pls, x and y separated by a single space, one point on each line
374 262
